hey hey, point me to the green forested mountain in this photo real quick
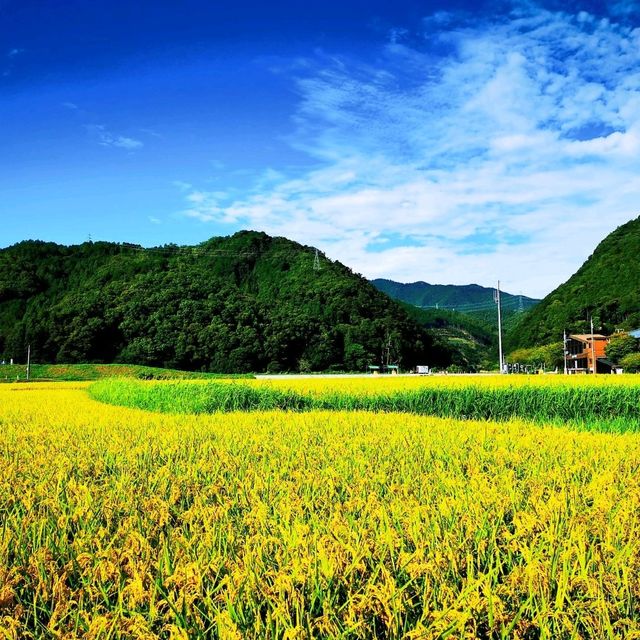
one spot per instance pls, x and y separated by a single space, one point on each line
472 343
470 299
462 318
607 287
247 302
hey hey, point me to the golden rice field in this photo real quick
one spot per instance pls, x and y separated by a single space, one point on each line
605 403
122 523
370 384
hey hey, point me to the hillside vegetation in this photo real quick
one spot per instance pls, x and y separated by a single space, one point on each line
470 299
605 287
471 342
462 318
243 303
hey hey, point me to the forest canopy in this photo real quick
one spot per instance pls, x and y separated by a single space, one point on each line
248 302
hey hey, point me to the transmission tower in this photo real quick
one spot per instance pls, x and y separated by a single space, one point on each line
316 261
520 304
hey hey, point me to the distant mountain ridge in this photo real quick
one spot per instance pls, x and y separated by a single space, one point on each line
605 288
463 318
470 298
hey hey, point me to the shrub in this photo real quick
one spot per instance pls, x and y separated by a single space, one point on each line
631 363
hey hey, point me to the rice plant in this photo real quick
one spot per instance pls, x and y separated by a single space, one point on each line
121 523
608 406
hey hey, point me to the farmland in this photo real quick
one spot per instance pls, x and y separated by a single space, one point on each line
74 372
322 508
608 403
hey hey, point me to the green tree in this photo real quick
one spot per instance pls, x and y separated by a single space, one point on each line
631 363
621 345
549 355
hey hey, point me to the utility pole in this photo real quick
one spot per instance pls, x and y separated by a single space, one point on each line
28 362
496 299
564 350
593 347
387 349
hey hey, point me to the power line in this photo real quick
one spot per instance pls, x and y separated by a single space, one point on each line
186 250
473 306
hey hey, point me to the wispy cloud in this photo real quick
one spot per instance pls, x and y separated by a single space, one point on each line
506 148
152 133
206 206
624 8
10 56
106 138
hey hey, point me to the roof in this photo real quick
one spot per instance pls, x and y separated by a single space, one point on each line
583 337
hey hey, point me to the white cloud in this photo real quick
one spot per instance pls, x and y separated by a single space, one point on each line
108 139
510 157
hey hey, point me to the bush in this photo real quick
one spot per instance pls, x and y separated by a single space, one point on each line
549 355
631 363
620 346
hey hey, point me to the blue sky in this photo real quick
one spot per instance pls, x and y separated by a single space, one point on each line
450 142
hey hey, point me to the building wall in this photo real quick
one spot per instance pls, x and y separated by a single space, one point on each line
581 353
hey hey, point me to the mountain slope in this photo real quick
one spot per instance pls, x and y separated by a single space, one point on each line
471 299
462 318
607 287
247 302
472 344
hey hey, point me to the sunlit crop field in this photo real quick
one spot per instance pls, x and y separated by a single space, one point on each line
123 523
371 383
605 403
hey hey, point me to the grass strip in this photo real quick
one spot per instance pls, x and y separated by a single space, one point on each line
612 409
